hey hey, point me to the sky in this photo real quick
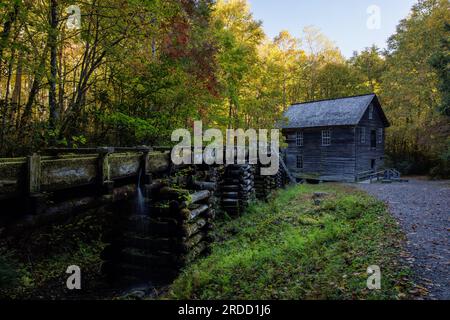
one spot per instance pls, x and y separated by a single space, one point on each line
345 22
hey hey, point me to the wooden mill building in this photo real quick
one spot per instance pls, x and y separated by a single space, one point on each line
335 140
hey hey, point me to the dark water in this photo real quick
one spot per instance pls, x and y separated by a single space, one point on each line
140 201
139 226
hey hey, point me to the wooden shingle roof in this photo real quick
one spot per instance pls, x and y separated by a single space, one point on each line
335 112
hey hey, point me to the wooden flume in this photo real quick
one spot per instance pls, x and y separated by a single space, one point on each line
180 203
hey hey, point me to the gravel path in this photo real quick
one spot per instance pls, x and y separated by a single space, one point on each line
423 211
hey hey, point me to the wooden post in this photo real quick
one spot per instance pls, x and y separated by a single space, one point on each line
145 170
34 173
104 174
37 200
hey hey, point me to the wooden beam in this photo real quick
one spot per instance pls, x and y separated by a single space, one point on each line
104 169
34 173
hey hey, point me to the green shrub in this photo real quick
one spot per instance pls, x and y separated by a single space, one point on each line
8 274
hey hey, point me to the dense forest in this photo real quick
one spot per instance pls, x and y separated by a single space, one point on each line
128 72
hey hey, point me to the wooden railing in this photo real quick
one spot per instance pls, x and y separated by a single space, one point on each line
388 174
284 167
369 175
59 169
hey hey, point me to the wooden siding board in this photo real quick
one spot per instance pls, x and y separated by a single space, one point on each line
364 151
337 160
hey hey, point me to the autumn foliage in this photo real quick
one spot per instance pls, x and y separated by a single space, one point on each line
135 70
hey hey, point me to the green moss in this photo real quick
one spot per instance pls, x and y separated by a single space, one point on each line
162 205
291 249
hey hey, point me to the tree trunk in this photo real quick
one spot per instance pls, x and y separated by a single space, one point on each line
34 89
5 101
18 82
53 43
7 26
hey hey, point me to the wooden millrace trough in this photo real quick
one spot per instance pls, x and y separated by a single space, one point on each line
180 203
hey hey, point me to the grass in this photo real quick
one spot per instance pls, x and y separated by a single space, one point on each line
34 267
290 248
46 277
